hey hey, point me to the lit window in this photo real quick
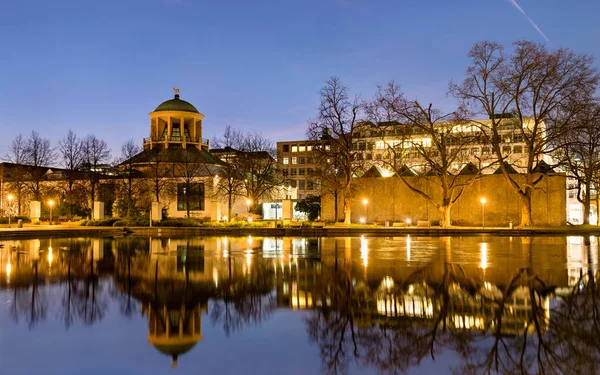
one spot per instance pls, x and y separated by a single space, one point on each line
309 148
294 148
518 149
286 160
302 148
190 196
294 160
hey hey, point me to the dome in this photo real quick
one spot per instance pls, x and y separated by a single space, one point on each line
176 104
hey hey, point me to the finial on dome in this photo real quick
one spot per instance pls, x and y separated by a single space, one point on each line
176 91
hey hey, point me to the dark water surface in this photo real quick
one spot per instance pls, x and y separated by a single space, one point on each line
244 305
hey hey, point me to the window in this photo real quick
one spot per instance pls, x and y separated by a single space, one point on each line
294 160
310 185
308 148
302 160
310 171
285 172
505 150
475 151
302 148
293 183
286 148
294 171
190 196
294 148
518 149
286 160
309 160
302 172
485 150
301 184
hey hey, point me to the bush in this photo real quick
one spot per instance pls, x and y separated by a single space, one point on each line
15 219
100 223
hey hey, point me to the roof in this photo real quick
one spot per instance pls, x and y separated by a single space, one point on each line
509 168
469 169
543 167
175 155
372 172
176 104
404 170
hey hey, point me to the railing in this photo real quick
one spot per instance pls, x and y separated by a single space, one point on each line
204 141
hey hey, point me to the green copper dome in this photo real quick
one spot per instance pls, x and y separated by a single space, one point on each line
176 104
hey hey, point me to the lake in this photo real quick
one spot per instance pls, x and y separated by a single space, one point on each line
358 305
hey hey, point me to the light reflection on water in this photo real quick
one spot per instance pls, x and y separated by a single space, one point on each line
363 304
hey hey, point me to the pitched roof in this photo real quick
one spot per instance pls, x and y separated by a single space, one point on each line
509 167
543 167
469 170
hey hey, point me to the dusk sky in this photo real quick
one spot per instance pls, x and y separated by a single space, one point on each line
101 66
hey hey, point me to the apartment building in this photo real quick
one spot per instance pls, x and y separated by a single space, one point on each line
374 144
296 165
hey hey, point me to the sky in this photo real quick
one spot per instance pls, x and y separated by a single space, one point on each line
100 66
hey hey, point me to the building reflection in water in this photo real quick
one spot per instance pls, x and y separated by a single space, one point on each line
431 292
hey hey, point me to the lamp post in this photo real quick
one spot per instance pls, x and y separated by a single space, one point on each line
10 198
248 203
365 201
51 203
482 200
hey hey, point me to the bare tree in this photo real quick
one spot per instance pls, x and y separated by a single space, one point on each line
251 167
331 135
130 185
528 86
158 171
95 153
17 154
38 154
580 147
70 148
438 140
189 170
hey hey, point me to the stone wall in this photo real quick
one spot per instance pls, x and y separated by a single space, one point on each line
389 199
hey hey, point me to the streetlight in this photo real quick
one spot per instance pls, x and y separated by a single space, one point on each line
482 200
248 202
10 198
365 201
51 203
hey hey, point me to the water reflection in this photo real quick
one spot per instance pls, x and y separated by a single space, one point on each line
508 305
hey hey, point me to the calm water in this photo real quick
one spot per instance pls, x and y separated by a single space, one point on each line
136 305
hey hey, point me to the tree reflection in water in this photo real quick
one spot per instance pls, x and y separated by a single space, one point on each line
523 324
493 329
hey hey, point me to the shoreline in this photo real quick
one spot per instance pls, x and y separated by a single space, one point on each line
37 231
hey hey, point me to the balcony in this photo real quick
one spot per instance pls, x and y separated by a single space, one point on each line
203 142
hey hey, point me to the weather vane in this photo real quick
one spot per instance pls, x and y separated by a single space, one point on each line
176 91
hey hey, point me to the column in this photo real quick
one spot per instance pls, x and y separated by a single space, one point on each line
169 130
182 130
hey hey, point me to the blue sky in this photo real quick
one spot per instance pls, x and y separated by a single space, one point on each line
100 66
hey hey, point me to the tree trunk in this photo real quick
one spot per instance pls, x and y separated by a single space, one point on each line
335 207
229 203
526 219
446 221
347 210
587 203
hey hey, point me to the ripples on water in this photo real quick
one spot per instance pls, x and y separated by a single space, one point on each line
300 305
